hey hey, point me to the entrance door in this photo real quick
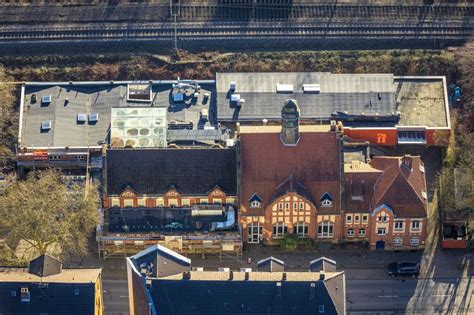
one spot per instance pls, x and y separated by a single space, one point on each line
380 245
254 232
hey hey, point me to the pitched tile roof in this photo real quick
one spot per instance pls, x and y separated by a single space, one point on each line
400 186
266 163
153 171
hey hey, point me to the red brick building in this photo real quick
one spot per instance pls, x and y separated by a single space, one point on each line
385 202
290 180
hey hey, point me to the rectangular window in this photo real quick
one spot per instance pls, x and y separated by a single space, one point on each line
128 203
186 202
381 231
141 202
172 202
415 225
411 136
397 241
350 232
115 202
398 226
302 229
356 218
361 232
159 202
365 218
279 230
414 242
204 200
325 229
349 218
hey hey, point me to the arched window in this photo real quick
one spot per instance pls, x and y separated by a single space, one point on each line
255 201
326 200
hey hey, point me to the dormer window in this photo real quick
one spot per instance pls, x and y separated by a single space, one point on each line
326 200
255 201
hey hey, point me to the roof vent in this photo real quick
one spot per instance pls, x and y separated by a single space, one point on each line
284 88
46 125
81 118
94 117
311 88
46 99
25 294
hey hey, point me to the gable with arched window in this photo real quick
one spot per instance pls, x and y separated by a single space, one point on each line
326 200
255 201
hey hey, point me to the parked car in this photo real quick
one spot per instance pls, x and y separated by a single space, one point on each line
404 268
174 226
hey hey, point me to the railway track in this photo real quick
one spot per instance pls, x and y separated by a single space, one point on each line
230 12
235 30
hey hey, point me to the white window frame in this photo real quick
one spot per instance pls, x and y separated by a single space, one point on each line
284 230
414 241
304 229
255 204
397 241
380 229
348 218
330 229
326 203
413 228
395 228
362 234
352 232
186 202
128 203
366 220
357 218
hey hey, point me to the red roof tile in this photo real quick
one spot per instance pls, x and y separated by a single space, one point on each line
400 186
266 163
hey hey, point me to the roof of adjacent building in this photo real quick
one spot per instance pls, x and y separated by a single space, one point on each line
235 292
45 265
66 276
354 93
96 97
395 181
155 171
266 164
48 298
401 186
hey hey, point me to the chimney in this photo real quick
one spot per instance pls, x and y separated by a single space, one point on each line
290 115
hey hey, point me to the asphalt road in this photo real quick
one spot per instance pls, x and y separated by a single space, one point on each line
381 296
115 296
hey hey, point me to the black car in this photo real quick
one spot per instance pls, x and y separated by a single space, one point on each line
405 268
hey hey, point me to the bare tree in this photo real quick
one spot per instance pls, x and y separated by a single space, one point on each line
43 211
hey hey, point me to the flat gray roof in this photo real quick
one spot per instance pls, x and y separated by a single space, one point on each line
89 98
354 93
